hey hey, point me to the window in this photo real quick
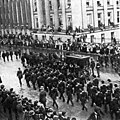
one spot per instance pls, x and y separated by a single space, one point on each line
35 6
99 15
98 3
36 23
109 13
50 4
92 38
102 38
118 16
87 4
68 3
108 2
117 2
89 19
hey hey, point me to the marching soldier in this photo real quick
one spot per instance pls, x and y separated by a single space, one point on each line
61 89
53 95
83 99
69 92
42 96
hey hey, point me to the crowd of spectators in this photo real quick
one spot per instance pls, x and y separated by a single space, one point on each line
45 72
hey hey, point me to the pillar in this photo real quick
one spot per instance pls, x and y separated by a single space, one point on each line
32 18
29 13
105 12
84 14
14 12
19 13
114 12
56 14
2 13
76 13
47 12
23 12
95 15
10 13
40 13
6 13
64 15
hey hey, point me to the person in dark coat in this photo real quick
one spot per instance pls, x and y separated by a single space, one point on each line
92 65
42 96
98 68
53 94
3 56
69 93
16 54
61 89
7 55
20 76
11 55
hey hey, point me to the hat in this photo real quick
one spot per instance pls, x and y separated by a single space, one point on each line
42 88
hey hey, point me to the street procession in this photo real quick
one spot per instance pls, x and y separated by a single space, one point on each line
59 60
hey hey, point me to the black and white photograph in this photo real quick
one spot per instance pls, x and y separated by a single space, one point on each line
59 59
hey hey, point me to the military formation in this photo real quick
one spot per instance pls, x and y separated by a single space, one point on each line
68 82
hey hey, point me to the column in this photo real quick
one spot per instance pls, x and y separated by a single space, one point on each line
2 13
47 12
63 15
76 13
29 14
19 13
23 12
14 12
56 14
84 14
114 12
6 13
95 15
105 12
10 13
32 18
40 13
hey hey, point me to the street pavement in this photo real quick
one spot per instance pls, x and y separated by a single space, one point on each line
8 72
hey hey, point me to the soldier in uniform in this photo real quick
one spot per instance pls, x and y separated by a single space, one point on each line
69 93
42 96
83 99
61 89
53 94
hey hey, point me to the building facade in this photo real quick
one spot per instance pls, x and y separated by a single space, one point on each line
29 15
77 14
15 16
